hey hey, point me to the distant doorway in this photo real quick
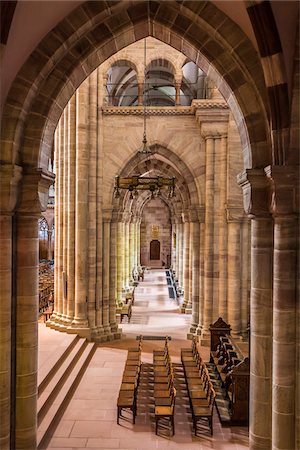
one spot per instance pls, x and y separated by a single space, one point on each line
154 249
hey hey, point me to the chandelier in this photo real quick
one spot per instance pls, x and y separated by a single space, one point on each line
137 183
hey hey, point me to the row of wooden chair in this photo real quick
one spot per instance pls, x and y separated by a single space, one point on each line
200 388
131 376
164 390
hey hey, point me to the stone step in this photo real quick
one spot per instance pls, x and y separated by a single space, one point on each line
55 360
57 394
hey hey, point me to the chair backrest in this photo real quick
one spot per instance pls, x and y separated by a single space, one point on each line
212 395
174 392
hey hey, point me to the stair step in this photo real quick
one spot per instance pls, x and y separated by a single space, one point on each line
51 390
55 360
52 403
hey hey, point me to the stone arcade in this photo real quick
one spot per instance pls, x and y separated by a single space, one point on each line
246 129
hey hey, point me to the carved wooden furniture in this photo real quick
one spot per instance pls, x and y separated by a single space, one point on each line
233 367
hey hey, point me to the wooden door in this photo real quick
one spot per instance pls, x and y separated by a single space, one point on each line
155 249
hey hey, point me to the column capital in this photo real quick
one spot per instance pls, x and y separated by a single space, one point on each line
255 192
235 214
213 130
35 186
282 181
185 215
10 176
140 78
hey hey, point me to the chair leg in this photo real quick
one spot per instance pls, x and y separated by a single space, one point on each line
118 416
211 425
156 420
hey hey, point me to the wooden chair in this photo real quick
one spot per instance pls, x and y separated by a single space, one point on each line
166 413
126 400
204 412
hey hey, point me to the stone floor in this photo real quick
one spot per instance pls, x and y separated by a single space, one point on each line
90 418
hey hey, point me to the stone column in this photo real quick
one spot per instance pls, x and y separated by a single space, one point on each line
81 215
65 213
113 277
49 241
255 196
283 182
177 92
92 199
99 194
27 265
181 256
140 81
209 234
245 278
195 226
126 235
6 298
186 259
222 173
120 260
131 250
234 272
27 304
59 294
105 270
201 216
139 241
71 209
9 179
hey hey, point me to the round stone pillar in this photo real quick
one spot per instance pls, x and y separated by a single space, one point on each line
255 196
140 81
282 183
106 272
131 249
209 234
195 226
120 260
6 297
71 209
126 236
181 256
81 215
234 272
177 92
113 276
222 173
186 261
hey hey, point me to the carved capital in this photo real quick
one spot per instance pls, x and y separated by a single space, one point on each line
282 182
10 176
234 214
255 192
34 192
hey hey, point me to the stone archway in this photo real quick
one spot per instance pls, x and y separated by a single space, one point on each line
35 102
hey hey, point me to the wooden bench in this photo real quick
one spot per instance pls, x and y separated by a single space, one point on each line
232 364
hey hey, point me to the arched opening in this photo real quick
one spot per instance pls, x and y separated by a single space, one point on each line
47 83
155 250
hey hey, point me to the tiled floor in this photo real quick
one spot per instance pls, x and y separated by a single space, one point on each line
90 419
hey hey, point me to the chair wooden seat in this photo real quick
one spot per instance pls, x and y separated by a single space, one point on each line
204 412
126 402
166 412
128 386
